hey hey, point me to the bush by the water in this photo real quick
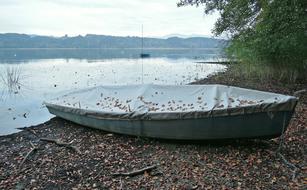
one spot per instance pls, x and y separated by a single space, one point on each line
263 32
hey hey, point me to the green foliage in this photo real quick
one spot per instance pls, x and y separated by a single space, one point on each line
262 73
262 31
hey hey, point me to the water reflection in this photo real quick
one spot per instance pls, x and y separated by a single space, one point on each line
25 55
43 79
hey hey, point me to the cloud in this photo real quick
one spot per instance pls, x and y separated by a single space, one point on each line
116 17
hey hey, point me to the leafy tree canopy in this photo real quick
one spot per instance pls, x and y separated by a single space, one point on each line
261 31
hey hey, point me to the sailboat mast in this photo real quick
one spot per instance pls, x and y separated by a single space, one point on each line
142 39
142 57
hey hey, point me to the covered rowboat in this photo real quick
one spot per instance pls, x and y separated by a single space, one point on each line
188 112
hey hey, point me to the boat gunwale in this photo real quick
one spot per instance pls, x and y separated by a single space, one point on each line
262 108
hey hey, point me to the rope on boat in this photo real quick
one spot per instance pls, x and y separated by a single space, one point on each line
278 152
282 139
282 136
297 93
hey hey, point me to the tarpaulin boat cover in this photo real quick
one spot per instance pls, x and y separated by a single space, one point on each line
163 102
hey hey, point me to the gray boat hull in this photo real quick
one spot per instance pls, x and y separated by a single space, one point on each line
256 125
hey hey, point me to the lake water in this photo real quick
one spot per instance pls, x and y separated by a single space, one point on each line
46 74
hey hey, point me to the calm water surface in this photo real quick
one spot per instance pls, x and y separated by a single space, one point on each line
48 76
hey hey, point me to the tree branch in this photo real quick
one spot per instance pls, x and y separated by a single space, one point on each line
34 148
290 165
136 172
60 143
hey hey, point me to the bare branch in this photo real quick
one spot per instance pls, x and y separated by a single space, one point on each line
34 148
60 143
136 172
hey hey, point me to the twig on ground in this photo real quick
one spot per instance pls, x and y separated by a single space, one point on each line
121 183
136 172
194 187
28 129
60 143
98 175
34 148
289 164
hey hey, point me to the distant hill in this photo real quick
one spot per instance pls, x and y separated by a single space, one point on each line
185 36
14 40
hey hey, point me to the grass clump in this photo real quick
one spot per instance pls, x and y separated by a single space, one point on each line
11 77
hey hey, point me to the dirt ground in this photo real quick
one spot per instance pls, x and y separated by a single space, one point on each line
93 156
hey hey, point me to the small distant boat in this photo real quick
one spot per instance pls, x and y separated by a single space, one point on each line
144 55
188 112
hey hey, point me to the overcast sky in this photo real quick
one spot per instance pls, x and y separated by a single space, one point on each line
110 17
